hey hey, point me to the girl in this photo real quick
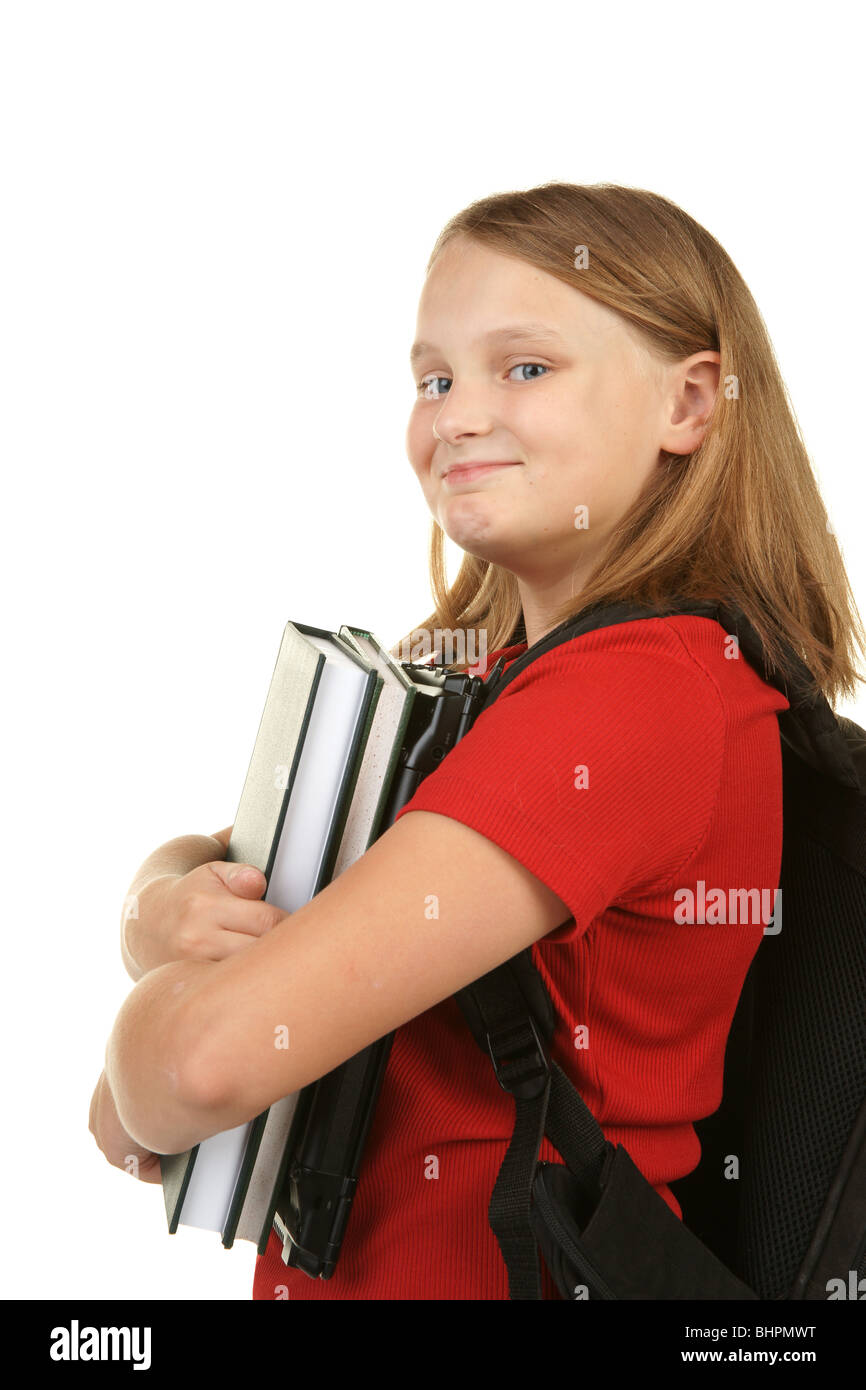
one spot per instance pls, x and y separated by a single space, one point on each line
599 415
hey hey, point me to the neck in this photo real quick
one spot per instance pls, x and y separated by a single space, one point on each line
539 607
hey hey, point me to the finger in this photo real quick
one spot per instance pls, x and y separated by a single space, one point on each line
150 1170
223 836
244 880
230 943
225 910
254 919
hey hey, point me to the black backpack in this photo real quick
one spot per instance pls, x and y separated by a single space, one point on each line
793 1225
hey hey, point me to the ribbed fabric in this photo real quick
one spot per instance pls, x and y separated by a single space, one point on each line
679 740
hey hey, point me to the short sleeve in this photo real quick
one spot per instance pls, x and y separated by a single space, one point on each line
597 767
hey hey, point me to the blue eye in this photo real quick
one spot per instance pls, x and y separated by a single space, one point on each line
426 385
426 382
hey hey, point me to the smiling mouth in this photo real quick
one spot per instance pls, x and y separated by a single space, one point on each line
466 474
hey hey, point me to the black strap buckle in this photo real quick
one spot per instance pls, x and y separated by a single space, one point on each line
520 1059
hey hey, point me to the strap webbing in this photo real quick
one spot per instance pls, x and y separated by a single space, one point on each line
508 1213
545 1102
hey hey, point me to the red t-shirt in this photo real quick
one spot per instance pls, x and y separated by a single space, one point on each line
621 768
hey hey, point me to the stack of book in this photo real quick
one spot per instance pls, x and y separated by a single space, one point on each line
346 736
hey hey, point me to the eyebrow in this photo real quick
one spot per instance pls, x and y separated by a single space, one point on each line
538 332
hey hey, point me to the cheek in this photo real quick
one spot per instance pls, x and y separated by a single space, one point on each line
622 414
572 488
419 449
563 449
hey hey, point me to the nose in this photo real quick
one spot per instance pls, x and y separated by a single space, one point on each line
466 414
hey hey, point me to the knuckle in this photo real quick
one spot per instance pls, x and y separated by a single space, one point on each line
212 873
193 904
190 937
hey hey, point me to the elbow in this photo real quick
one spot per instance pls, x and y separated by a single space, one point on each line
167 1089
164 1109
202 1093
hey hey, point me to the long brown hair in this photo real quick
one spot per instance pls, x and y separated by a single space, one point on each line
740 519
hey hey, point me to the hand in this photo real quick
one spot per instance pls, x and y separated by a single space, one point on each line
119 1148
208 914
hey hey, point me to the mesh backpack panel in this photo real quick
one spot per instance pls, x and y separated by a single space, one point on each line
807 1080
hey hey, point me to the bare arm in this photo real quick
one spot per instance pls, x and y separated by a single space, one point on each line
183 906
168 863
193 1051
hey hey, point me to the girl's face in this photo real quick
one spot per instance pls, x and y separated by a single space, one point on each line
579 414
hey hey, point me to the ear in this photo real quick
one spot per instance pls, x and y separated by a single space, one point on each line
691 394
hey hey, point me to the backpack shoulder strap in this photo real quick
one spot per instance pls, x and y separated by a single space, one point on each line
511 1016
829 744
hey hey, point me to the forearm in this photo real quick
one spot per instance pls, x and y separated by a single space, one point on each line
119 1148
172 860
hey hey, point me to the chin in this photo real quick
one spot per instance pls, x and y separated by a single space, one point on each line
468 532
483 543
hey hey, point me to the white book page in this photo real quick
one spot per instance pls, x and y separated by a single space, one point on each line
309 816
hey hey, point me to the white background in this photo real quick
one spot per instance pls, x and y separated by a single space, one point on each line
215 223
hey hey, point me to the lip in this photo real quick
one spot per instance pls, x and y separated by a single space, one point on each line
466 472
